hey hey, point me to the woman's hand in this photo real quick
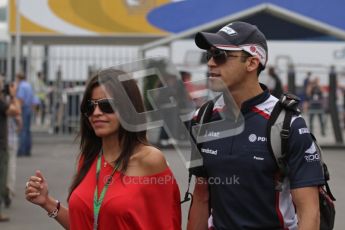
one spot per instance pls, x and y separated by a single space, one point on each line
36 190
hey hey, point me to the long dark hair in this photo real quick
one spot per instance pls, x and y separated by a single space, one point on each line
90 144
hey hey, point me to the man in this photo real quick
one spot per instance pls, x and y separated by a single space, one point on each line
26 96
244 196
41 92
305 98
6 109
274 83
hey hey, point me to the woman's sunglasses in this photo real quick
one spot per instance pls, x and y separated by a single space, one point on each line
106 105
220 56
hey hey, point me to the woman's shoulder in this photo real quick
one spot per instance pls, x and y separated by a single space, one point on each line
150 160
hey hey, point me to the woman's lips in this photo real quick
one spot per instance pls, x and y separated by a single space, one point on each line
98 123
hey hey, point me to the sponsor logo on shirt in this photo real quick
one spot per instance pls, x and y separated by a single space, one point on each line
312 154
303 131
253 138
212 134
209 151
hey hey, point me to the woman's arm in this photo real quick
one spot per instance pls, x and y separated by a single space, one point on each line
62 217
37 193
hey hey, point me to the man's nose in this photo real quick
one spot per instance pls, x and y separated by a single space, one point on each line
211 62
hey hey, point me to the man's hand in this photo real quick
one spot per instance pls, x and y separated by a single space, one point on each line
198 216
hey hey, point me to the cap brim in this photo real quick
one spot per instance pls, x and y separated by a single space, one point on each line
207 40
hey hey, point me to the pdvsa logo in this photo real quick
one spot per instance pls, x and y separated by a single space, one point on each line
253 138
312 154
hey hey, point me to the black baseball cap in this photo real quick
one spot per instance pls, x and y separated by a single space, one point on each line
236 36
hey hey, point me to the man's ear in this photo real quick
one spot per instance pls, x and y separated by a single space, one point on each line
252 64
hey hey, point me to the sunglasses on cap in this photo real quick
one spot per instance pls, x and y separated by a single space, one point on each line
106 105
221 56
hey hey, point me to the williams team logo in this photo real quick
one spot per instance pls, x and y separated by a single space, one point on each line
228 30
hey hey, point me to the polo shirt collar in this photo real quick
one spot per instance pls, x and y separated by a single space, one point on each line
258 99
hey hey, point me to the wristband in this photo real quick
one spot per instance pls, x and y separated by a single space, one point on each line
55 212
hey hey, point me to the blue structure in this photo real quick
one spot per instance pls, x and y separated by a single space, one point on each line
278 19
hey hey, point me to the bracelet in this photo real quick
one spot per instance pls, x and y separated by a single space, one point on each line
55 212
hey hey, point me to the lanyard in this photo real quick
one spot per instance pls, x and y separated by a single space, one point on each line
97 202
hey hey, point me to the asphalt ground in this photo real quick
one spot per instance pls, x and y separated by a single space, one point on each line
55 156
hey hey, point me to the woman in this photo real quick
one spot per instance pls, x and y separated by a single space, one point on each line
8 108
122 182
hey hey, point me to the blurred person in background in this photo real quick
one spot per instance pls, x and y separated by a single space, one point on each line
316 104
274 83
41 90
304 98
9 106
191 88
177 86
291 78
344 107
186 77
109 189
341 104
26 96
14 126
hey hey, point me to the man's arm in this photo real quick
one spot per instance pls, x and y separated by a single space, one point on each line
306 201
198 216
305 175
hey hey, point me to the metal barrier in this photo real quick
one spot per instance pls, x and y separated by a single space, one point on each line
68 113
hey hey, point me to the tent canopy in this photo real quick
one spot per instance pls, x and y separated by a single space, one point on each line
277 19
293 19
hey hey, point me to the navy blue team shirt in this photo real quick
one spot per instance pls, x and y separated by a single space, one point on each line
242 172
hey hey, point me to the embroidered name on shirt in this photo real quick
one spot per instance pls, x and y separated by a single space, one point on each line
258 158
209 151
